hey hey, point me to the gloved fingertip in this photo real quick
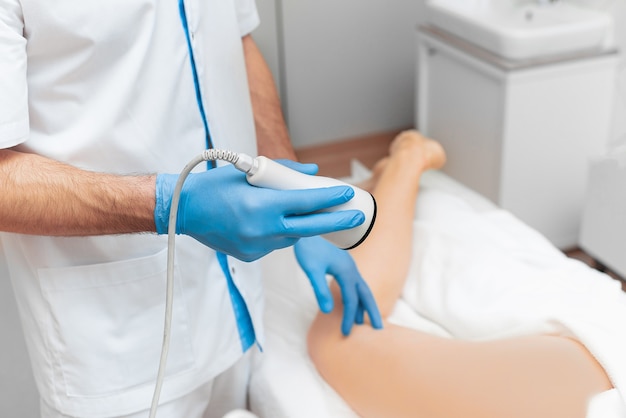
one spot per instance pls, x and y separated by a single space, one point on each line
359 318
346 326
305 168
352 218
326 306
377 321
358 218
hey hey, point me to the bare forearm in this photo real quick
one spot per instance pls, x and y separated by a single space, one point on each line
272 135
45 197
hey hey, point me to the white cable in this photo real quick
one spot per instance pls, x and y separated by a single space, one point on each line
243 163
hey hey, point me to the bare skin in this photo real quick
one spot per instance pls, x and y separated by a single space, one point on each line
399 372
67 201
272 135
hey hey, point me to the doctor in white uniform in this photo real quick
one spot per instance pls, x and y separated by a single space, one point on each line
92 93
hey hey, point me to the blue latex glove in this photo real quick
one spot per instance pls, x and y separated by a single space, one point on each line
318 257
221 210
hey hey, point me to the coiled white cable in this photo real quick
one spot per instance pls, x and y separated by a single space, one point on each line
243 163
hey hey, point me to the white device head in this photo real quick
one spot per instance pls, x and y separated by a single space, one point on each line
273 175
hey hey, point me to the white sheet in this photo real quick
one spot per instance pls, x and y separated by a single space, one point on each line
477 273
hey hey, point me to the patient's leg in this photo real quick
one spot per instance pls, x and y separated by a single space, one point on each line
384 257
398 372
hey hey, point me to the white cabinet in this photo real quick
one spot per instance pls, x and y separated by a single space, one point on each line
520 133
603 233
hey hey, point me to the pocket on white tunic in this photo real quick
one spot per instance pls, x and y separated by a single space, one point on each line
106 329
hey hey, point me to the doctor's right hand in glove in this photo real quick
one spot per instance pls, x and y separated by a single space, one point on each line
221 210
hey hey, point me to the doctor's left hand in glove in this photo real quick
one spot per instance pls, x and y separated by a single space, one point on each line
318 257
156 83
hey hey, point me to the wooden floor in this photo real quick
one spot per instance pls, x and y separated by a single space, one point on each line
334 158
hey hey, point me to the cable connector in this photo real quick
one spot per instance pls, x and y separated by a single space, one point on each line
242 162
247 164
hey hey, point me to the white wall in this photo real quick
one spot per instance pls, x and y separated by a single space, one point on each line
618 136
618 9
347 68
267 35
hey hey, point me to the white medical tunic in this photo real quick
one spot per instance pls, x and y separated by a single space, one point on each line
106 85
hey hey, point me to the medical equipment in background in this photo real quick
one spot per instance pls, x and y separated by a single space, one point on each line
603 231
520 95
260 172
